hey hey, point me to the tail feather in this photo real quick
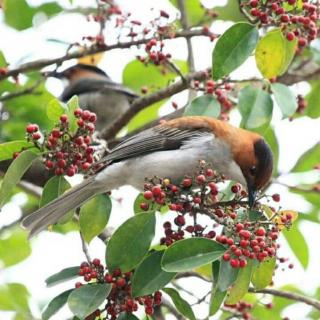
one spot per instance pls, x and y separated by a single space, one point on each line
56 209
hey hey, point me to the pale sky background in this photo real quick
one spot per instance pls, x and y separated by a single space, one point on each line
53 252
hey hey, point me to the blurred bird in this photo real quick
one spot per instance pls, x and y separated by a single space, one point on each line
96 92
172 150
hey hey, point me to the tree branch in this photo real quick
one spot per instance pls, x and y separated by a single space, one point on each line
141 103
290 296
41 63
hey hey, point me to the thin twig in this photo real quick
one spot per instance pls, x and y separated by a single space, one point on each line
41 63
20 93
289 295
85 247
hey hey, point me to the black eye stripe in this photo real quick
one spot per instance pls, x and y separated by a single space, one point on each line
253 170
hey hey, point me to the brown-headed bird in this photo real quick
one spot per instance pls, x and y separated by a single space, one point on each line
172 149
96 92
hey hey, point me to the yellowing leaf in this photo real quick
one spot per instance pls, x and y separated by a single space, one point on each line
284 213
274 54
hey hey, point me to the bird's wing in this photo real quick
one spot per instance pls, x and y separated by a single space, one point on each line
159 138
84 85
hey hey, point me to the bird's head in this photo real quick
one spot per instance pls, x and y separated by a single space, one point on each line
256 163
80 71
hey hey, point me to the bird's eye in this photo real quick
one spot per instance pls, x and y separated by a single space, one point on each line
253 170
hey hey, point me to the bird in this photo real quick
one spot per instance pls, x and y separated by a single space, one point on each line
96 91
170 150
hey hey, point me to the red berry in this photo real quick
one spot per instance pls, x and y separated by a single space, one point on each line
239 226
121 282
234 263
96 262
276 197
93 118
71 171
245 234
31 128
148 195
56 133
242 263
235 188
85 166
59 172
201 178
180 221
156 191
302 42
77 112
15 155
290 36
238 252
78 285
86 115
226 257
80 123
253 3
149 311
64 118
108 278
244 243
116 272
187 182
260 232
144 206
61 163
36 136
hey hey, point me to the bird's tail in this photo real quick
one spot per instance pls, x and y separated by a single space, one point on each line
56 209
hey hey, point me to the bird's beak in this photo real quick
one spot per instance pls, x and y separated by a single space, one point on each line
252 195
55 74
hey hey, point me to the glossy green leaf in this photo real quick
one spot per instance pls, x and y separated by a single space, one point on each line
313 101
3 60
86 299
15 248
15 172
297 244
217 296
182 306
255 106
7 149
56 304
14 297
187 254
227 276
241 285
149 276
149 75
53 189
24 19
130 242
127 316
262 274
194 9
205 105
94 216
308 160
55 109
274 54
285 99
233 48
63 275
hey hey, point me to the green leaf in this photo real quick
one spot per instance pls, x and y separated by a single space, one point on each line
297 244
262 274
313 101
274 54
56 304
205 105
255 106
55 109
149 276
53 189
227 275
14 248
3 60
149 75
308 160
86 299
187 254
233 48
24 19
7 149
217 296
285 99
14 297
194 9
130 242
229 12
94 216
15 172
63 275
127 316
182 306
241 285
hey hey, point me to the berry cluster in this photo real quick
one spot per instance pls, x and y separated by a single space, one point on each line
65 152
248 233
296 22
120 298
242 308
